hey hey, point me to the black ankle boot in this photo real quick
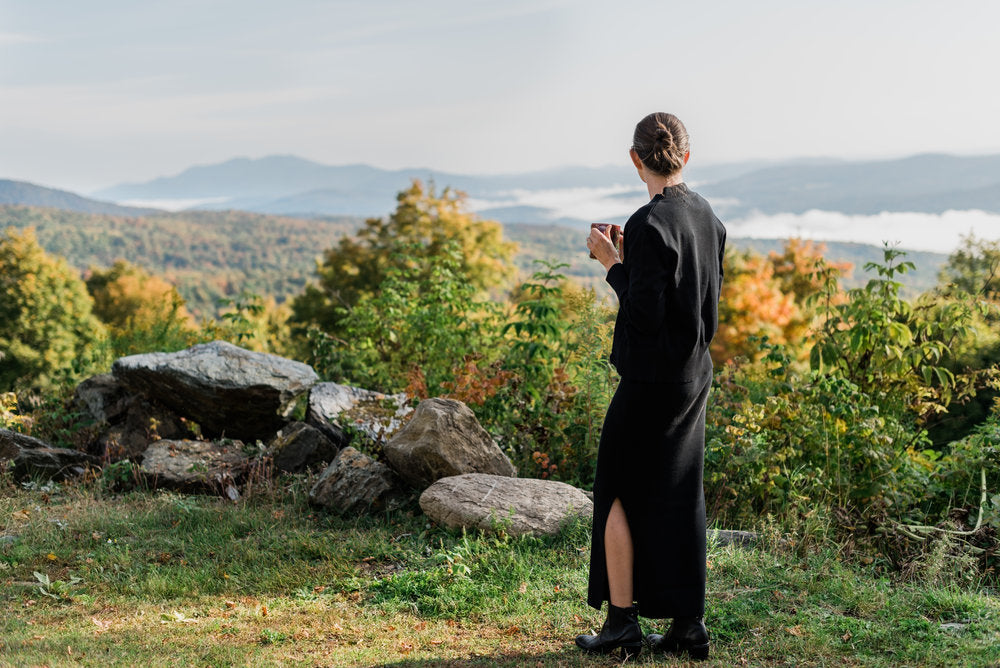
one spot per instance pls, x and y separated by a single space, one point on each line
621 629
686 634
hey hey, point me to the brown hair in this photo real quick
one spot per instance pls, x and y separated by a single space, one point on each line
661 141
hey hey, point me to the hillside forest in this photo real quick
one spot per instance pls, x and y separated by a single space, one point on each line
844 406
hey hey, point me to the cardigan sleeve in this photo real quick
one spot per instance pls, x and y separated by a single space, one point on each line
641 280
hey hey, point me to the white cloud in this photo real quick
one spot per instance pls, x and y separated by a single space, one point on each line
940 233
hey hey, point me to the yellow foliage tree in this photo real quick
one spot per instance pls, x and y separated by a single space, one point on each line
358 265
48 332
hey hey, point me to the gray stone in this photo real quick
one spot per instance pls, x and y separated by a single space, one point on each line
299 446
12 442
355 483
518 505
142 423
724 537
226 389
193 466
52 463
444 438
102 397
34 458
335 409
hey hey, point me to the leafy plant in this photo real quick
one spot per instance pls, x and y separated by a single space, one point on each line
58 590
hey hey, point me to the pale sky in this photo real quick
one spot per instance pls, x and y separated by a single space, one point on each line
99 92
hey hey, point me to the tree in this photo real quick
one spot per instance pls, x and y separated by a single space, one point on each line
356 266
974 268
48 332
127 297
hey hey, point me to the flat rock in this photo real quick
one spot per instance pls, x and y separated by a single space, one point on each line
299 446
336 410
192 466
12 442
725 537
519 505
444 438
226 389
356 483
52 463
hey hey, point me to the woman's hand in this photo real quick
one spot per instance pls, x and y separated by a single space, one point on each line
600 245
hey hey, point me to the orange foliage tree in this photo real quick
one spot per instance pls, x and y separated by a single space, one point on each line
766 296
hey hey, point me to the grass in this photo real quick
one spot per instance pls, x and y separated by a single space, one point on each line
175 580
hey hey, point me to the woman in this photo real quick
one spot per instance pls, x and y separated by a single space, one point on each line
648 549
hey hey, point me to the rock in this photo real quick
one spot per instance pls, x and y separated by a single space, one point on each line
444 438
34 458
725 537
102 397
193 466
52 463
299 446
355 483
479 500
334 407
226 389
12 442
142 423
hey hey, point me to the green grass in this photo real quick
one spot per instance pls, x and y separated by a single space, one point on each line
172 580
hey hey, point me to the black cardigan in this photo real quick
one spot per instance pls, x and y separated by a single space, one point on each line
668 289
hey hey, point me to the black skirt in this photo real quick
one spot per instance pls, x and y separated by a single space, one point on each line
652 457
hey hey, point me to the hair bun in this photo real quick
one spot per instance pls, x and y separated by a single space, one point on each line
663 136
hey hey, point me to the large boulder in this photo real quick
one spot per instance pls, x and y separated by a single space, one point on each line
194 466
444 438
34 458
338 409
102 397
299 446
226 389
356 483
518 505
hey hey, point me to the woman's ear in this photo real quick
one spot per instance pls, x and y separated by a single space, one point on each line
638 163
686 156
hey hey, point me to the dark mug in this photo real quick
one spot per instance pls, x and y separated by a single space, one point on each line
615 235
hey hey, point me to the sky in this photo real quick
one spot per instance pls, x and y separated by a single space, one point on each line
105 91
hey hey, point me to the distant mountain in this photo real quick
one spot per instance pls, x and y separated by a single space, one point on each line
289 185
29 194
924 183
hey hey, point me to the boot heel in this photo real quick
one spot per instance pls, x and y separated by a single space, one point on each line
699 652
631 651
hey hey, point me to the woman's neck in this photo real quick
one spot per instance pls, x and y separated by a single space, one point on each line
655 183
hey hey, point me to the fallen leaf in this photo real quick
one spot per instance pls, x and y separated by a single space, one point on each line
708 565
21 514
577 619
51 557
263 611
437 641
104 626
420 626
390 628
405 647
231 604
512 631
523 588
847 636
38 637
557 588
795 630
